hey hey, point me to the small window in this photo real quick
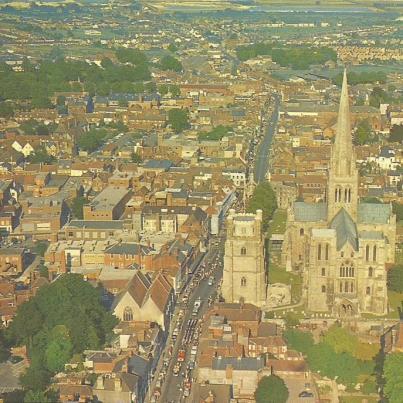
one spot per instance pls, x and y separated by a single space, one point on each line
374 253
301 231
128 314
243 251
319 252
323 271
341 254
243 282
368 290
327 252
323 288
367 253
370 272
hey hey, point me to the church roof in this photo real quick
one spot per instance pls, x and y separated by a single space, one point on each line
346 230
374 213
310 211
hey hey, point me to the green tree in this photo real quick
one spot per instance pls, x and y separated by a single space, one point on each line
271 389
59 349
291 319
398 210
174 90
36 397
43 271
136 158
396 134
78 205
35 378
6 110
395 278
172 48
216 134
263 198
40 155
298 340
394 377
61 100
178 119
41 247
4 350
363 134
170 63
41 102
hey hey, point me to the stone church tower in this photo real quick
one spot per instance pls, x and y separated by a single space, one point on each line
341 246
244 278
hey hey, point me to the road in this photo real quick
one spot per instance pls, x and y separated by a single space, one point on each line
172 386
262 157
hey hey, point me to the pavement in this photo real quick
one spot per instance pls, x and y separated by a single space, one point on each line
262 157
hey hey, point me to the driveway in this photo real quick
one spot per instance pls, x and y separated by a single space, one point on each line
296 386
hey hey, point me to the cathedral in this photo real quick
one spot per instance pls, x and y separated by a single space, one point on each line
340 245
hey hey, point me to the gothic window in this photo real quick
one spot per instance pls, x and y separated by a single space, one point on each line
323 288
349 195
243 282
368 290
374 253
370 272
351 287
243 251
319 252
341 286
341 254
128 314
335 194
345 195
352 272
341 271
323 271
345 286
301 231
327 252
367 253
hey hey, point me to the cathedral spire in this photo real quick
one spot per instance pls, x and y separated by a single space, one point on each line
343 146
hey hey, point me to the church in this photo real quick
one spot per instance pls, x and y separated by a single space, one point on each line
341 245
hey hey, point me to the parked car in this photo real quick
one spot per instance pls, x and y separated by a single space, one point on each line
305 393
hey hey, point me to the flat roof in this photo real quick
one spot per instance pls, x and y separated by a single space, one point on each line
109 197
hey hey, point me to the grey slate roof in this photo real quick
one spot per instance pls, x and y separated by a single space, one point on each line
92 224
240 364
374 213
346 230
310 211
126 248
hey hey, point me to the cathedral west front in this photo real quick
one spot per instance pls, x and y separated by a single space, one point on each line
341 245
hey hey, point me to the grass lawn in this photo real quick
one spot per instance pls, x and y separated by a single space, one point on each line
278 223
279 275
358 399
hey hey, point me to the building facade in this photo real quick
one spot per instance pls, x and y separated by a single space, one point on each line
244 278
342 245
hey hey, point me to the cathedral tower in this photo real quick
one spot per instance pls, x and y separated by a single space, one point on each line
343 173
244 278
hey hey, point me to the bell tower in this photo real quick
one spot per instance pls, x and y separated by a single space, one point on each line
343 173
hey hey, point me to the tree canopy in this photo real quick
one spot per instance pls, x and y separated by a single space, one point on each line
271 389
263 198
394 377
395 278
77 206
93 139
361 78
364 134
396 134
40 155
178 119
170 63
215 134
63 318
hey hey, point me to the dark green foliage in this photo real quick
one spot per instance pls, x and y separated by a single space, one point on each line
41 247
271 389
370 199
136 158
395 278
178 119
294 57
34 127
77 206
170 63
398 210
172 48
298 340
393 376
250 51
173 89
263 198
378 96
216 134
119 126
93 139
361 78
396 134
36 397
6 110
43 271
61 75
291 319
63 318
61 100
4 350
40 155
364 134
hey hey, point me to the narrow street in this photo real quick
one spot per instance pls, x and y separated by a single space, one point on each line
262 157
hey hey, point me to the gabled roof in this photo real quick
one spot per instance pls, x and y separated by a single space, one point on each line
374 213
239 363
310 211
346 229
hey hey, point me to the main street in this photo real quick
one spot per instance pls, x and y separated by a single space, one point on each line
262 157
172 387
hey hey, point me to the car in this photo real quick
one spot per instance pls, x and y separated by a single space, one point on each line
305 393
